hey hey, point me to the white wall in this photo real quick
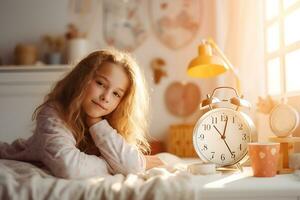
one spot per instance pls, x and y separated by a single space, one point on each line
28 20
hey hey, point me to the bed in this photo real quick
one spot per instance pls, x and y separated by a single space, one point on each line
21 180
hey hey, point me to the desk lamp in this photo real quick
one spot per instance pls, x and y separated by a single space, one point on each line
207 65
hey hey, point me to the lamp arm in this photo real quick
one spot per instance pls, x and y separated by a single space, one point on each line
227 62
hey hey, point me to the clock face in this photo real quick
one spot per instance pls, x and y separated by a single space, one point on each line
221 136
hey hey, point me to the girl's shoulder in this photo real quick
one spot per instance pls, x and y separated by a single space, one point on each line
48 110
48 118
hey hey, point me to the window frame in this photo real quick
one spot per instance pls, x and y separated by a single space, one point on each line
283 49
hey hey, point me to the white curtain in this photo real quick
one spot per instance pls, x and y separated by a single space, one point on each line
239 33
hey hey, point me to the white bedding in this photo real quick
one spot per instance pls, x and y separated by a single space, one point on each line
20 180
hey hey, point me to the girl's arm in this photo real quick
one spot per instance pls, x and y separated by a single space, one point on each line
56 147
121 156
153 161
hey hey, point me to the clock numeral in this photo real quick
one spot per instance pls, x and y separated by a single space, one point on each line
214 120
201 136
233 155
244 137
212 155
224 117
204 147
233 119
240 126
223 157
207 127
240 147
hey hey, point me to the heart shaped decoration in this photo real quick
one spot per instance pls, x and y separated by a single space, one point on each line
273 151
182 99
262 155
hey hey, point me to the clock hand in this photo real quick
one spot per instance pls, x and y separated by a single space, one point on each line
228 147
218 131
225 127
223 138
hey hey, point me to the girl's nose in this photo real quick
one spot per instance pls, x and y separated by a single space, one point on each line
104 97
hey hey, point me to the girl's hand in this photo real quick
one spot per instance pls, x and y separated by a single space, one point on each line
91 121
153 161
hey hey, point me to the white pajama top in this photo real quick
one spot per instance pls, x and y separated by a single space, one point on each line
54 146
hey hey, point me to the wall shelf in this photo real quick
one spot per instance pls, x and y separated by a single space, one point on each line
34 68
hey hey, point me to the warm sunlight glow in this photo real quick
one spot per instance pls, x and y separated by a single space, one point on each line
220 183
273 38
132 180
116 187
282 46
272 8
288 3
293 71
274 77
95 181
292 27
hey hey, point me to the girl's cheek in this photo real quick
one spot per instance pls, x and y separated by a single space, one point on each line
97 90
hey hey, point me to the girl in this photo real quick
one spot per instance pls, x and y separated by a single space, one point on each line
93 121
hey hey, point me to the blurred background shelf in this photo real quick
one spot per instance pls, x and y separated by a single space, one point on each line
33 68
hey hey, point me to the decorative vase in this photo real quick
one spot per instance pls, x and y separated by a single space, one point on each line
77 48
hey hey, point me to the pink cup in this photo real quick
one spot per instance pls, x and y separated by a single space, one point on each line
264 158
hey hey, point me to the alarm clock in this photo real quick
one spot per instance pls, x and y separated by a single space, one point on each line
283 119
221 135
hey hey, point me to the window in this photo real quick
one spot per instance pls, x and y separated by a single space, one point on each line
282 46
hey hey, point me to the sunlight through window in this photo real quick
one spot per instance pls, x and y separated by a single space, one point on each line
293 71
288 3
273 38
282 49
292 27
272 8
274 76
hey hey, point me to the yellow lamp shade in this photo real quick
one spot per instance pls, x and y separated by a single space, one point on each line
206 65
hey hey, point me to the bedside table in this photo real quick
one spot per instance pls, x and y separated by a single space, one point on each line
242 186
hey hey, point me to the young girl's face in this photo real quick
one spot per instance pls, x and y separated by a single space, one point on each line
105 91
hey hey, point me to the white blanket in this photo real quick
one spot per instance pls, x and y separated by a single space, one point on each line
20 180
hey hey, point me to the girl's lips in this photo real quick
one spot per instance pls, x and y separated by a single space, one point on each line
98 104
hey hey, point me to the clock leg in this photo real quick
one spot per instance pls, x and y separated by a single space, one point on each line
239 166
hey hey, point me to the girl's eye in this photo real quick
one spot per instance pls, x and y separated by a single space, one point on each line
100 83
117 94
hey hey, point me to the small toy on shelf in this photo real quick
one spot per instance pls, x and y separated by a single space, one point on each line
265 105
73 32
54 48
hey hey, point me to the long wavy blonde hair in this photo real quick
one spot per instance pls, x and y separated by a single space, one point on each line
130 118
